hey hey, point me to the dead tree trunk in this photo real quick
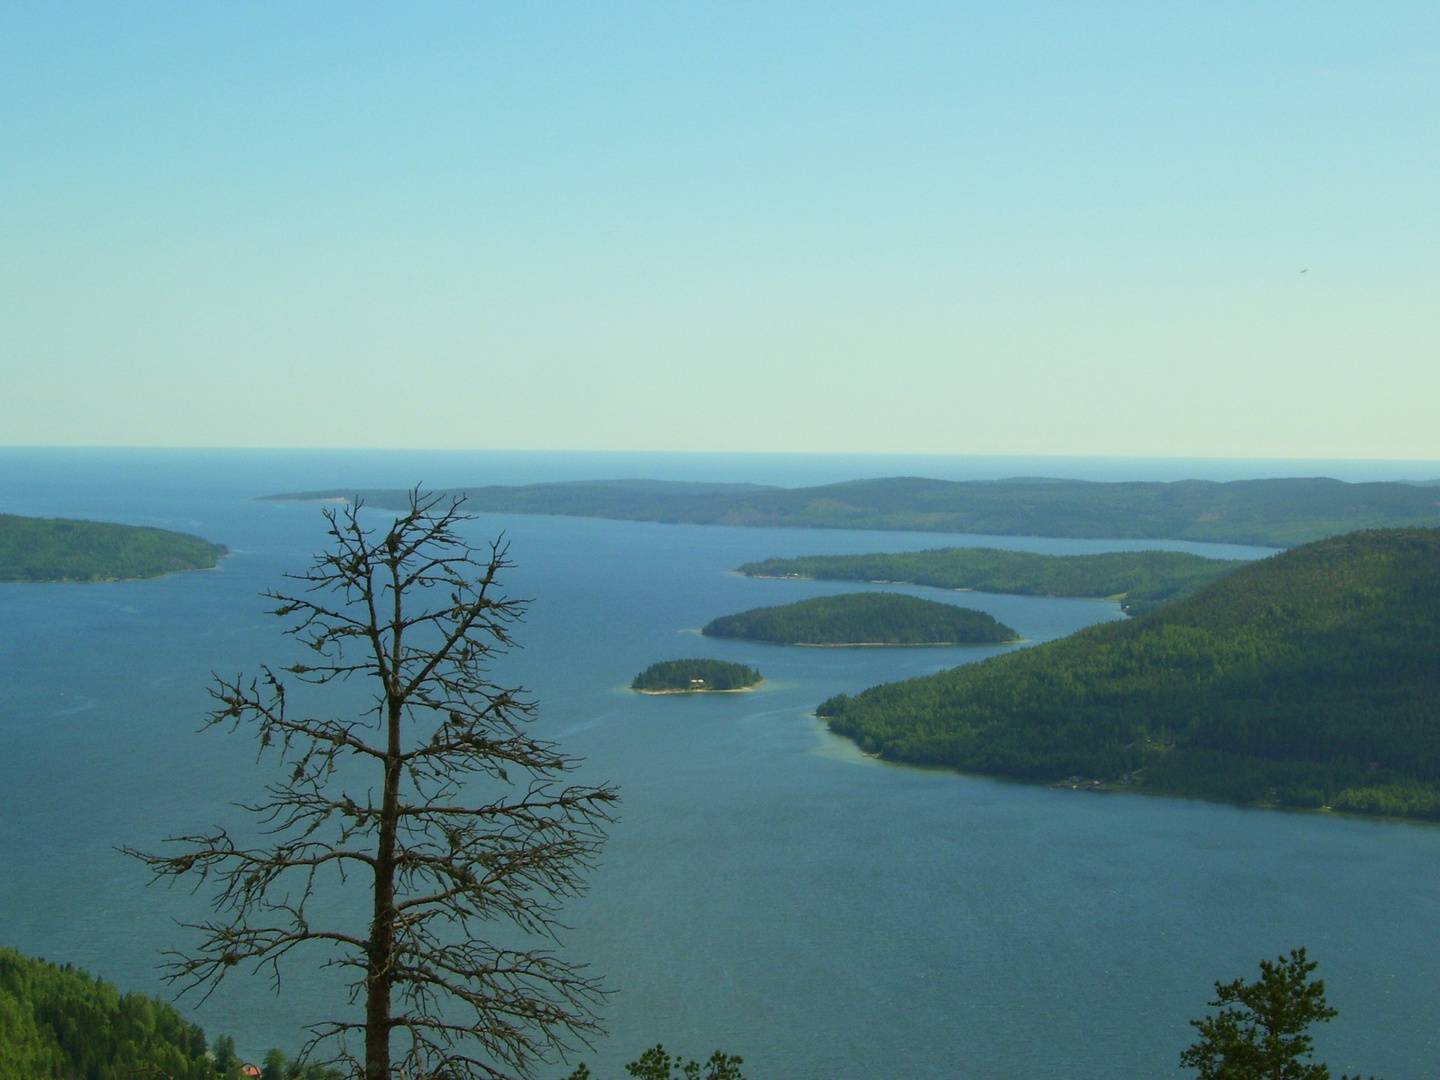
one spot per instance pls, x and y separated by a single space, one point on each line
474 824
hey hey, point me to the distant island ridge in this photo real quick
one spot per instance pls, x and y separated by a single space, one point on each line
65 550
863 619
1270 513
695 676
1139 580
1308 679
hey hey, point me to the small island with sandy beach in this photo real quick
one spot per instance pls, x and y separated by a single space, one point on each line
696 677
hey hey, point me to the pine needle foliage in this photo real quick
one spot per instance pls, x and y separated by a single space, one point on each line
1262 1029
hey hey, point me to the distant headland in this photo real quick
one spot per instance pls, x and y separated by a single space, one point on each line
1303 680
1270 513
60 549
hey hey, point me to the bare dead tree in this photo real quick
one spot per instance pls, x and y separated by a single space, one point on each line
434 800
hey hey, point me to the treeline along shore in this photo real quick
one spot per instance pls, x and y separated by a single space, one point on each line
1271 513
1140 580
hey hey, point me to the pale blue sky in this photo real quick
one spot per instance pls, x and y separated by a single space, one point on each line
911 228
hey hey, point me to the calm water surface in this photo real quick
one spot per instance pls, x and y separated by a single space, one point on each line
768 890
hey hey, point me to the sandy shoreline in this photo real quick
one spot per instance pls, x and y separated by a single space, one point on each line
736 690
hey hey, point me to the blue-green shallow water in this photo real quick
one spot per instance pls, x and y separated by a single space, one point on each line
768 890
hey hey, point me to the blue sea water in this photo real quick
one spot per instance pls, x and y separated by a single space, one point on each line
768 889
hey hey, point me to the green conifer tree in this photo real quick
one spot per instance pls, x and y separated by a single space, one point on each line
1260 1032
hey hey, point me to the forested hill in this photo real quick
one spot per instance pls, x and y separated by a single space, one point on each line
57 549
1141 580
59 1022
1277 513
1306 679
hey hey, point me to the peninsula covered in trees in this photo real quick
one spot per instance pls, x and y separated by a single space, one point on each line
695 676
1273 513
1306 680
869 618
58 549
1140 580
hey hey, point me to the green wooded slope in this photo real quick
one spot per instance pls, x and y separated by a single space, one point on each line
57 549
873 618
59 1022
1274 513
1306 679
1142 580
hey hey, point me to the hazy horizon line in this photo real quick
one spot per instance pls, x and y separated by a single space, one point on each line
157 448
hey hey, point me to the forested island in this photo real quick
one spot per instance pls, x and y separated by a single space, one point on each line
869 618
59 549
1306 680
695 677
1139 580
1272 513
